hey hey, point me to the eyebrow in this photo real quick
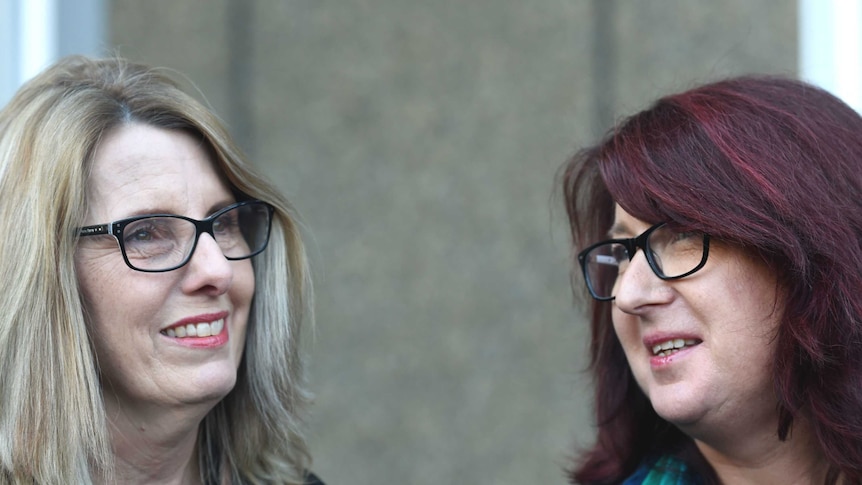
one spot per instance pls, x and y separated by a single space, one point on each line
221 205
156 211
618 230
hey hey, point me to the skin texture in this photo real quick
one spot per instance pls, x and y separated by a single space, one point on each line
728 306
157 390
719 391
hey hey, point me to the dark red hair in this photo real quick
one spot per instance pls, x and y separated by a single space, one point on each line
774 165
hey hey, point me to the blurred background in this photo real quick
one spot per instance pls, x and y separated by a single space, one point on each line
420 142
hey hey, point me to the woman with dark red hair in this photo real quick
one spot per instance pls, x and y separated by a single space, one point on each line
720 237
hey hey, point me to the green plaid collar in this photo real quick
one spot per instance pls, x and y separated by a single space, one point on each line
664 471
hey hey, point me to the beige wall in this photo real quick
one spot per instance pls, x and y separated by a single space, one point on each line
420 141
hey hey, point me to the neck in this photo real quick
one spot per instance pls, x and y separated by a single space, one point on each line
761 458
155 445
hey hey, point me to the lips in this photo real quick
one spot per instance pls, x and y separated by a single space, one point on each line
203 329
198 326
665 344
672 346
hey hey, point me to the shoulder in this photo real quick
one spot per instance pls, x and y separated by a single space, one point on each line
638 477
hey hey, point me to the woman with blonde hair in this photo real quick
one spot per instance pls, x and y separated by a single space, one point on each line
156 290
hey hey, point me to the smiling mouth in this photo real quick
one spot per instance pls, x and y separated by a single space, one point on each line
673 346
191 330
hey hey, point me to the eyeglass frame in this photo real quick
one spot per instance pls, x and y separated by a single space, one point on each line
631 246
201 226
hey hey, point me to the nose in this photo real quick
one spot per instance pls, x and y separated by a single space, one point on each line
208 269
638 287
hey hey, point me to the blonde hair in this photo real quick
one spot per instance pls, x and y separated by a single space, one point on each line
52 420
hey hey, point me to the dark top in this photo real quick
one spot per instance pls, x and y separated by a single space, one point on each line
311 479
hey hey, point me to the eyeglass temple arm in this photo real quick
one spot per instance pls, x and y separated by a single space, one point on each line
95 230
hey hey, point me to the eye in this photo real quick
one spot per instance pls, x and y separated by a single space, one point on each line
148 231
140 234
227 223
683 235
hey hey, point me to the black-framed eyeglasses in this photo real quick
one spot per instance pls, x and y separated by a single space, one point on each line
164 242
671 254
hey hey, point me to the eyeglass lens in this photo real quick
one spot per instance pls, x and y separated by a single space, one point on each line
162 242
670 254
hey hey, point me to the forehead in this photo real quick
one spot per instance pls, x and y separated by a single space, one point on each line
140 167
626 225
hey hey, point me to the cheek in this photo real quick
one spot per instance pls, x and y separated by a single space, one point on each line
117 305
242 288
95 288
103 309
626 330
241 295
755 309
243 282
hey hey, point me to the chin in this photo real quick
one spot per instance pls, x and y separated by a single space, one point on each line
680 418
215 382
678 410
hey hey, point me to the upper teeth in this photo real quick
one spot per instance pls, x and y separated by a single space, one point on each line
671 346
205 329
